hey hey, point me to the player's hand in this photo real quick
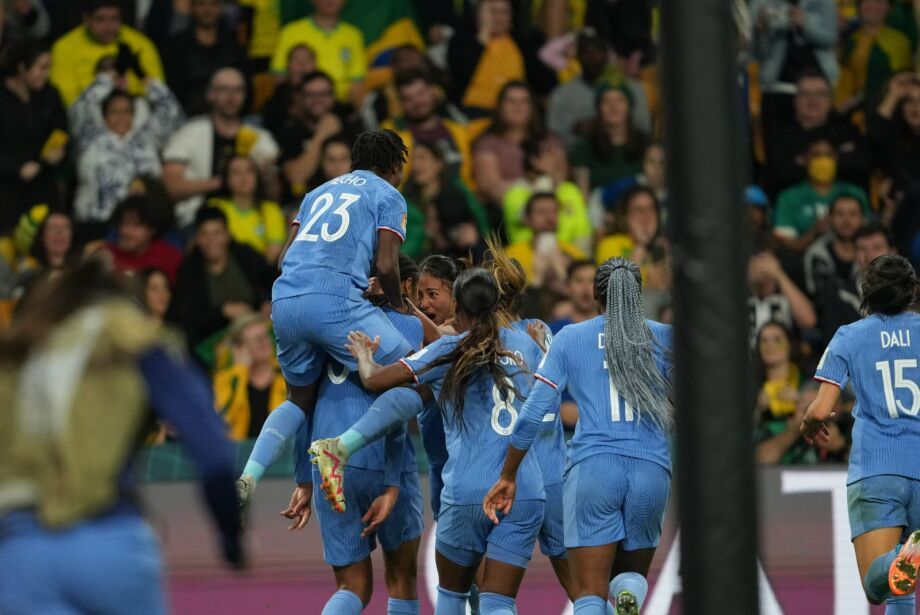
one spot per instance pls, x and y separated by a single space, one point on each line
499 499
815 432
379 510
299 510
537 331
361 346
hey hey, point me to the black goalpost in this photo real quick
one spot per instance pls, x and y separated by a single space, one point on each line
706 158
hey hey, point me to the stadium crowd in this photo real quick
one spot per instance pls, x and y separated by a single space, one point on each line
177 138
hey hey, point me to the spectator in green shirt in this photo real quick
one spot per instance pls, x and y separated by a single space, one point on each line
545 170
801 210
613 149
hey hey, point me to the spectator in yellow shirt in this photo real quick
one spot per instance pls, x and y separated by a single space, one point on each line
339 48
544 257
251 219
245 392
75 55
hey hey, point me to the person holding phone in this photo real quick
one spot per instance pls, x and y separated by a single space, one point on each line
544 257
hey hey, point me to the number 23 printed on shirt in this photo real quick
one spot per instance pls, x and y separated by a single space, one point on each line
320 206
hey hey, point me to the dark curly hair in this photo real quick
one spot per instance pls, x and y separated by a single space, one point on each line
889 285
380 151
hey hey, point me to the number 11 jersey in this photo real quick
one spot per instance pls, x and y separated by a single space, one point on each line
336 241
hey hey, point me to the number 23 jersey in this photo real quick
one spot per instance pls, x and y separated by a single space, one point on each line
336 241
879 354
476 452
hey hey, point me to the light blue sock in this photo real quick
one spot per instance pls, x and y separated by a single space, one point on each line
391 410
397 606
901 605
450 603
343 602
633 582
590 605
352 441
280 426
876 581
496 604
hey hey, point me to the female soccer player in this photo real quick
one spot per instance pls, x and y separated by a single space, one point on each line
883 485
549 445
437 302
72 536
379 482
276 440
342 227
479 378
616 488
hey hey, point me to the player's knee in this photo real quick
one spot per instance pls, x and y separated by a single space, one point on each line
402 581
871 596
357 580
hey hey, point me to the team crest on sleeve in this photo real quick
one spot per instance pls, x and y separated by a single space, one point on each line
405 219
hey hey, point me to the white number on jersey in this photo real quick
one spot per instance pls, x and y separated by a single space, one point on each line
615 403
900 382
506 405
335 378
321 205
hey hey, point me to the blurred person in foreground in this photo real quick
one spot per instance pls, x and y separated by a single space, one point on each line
72 535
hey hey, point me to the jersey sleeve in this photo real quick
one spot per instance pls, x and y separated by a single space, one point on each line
833 367
418 363
552 369
393 214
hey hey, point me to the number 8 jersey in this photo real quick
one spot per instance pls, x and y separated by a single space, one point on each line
336 241
476 452
879 354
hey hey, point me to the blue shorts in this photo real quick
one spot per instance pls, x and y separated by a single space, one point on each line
552 534
610 498
342 542
465 534
877 502
311 327
435 486
109 565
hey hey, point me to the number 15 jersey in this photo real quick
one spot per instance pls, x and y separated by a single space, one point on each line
879 354
336 241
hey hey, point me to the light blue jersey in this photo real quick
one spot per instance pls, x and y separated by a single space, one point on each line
879 355
336 242
476 452
342 401
576 362
549 445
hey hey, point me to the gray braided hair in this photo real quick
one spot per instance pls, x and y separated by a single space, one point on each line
629 344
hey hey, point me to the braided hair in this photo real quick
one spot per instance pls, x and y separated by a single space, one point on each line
629 344
477 296
380 151
889 285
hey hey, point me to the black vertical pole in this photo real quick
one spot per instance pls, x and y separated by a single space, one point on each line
715 471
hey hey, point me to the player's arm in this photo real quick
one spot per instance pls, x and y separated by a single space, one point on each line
821 409
388 244
376 378
295 228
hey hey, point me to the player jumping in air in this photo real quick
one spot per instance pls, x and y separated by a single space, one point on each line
879 355
343 227
615 366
